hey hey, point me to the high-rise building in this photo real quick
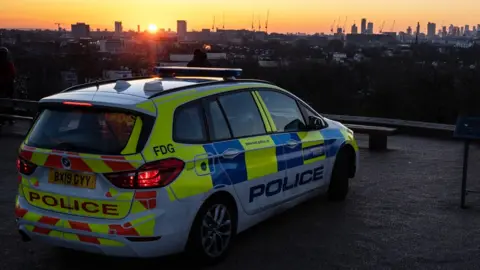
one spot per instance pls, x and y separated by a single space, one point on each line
118 28
80 30
451 30
370 28
354 29
138 28
181 29
364 26
409 31
462 31
431 29
444 31
467 29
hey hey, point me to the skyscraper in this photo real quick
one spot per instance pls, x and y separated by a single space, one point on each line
370 28
354 29
364 26
80 30
467 29
444 31
138 28
409 31
118 28
181 29
431 29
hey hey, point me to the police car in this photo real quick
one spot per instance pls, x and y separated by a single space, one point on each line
180 162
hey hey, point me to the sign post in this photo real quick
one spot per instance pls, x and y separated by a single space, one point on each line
467 129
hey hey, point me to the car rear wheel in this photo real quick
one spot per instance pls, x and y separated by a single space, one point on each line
339 183
212 232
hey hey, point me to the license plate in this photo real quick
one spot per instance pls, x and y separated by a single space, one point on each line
68 178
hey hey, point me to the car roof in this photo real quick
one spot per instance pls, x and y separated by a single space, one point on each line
132 91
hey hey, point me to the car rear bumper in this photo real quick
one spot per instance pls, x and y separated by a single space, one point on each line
51 228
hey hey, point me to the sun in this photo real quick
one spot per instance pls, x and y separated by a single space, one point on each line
152 28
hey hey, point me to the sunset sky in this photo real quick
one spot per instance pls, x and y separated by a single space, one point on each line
285 15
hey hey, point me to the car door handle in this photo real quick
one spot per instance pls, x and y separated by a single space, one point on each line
292 143
231 153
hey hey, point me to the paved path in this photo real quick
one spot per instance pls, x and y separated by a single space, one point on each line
402 213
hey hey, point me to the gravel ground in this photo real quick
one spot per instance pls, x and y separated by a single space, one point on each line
402 213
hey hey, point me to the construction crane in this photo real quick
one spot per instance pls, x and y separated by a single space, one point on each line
59 26
213 24
266 21
253 21
393 27
333 24
345 24
381 27
259 23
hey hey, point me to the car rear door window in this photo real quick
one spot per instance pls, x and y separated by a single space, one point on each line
284 111
78 130
217 124
189 125
242 114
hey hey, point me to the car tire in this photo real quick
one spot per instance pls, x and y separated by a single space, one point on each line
211 236
339 184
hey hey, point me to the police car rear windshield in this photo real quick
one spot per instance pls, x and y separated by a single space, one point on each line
82 130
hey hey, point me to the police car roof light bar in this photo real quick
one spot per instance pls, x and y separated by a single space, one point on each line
226 73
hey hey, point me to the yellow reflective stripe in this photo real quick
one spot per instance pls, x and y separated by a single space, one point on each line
260 156
148 106
71 236
267 112
262 110
99 228
108 242
131 146
39 158
31 216
310 139
135 160
171 196
195 179
350 139
96 164
145 226
54 233
137 207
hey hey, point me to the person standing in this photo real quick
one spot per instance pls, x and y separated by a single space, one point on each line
200 59
7 74
7 78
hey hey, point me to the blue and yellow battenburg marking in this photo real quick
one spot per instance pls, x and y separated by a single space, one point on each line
264 155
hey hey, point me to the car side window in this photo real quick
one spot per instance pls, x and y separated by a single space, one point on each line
242 114
217 124
188 124
284 111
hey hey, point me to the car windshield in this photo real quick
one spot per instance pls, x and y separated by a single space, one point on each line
87 131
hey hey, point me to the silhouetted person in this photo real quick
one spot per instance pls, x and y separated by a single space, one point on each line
7 78
199 59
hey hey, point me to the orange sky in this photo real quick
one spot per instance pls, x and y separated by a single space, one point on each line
285 15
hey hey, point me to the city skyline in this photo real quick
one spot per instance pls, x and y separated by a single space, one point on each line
317 16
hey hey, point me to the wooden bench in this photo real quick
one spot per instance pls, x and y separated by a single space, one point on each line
378 136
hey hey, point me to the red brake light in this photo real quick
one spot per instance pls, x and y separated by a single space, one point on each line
85 104
25 167
152 175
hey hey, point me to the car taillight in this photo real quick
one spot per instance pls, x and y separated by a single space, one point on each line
25 167
151 175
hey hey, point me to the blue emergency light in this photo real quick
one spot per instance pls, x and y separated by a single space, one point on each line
197 72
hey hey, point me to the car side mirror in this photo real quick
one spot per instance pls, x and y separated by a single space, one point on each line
315 123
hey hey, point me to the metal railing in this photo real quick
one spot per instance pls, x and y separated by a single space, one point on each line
21 109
